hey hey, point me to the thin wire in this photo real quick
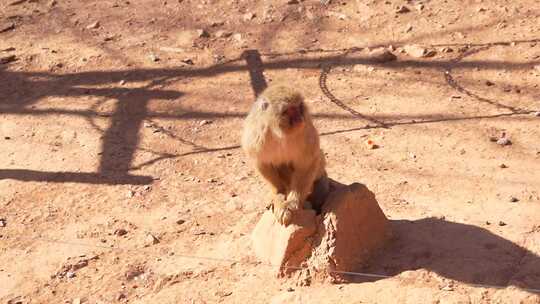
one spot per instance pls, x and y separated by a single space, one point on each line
195 257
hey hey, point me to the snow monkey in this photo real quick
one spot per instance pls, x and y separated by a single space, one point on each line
281 141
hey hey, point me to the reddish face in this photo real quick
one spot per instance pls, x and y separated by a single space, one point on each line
293 115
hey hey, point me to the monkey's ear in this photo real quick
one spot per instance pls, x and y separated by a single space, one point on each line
264 103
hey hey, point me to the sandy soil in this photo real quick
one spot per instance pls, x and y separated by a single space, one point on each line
121 179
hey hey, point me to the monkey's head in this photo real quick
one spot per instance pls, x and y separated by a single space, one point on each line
286 107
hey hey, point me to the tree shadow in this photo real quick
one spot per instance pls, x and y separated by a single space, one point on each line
461 252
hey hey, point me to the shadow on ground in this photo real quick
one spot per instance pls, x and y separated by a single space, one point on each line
460 252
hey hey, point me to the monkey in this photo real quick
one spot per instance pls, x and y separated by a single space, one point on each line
280 140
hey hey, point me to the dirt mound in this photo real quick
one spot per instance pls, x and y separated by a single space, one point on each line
350 228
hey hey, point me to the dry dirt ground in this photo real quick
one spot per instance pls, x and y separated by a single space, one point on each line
121 179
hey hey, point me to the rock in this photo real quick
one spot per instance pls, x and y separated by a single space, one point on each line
489 83
402 9
408 28
382 55
284 247
153 57
180 222
349 230
537 114
419 7
70 274
9 49
503 166
130 194
447 49
418 51
9 26
3 222
504 141
205 122
202 33
188 61
501 223
120 232
17 2
248 16
53 3
94 25
151 240
133 272
222 34
8 59
514 199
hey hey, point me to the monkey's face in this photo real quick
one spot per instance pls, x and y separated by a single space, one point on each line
291 116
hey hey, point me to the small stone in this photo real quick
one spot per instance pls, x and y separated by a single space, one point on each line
501 223
488 223
537 114
70 274
151 239
188 61
248 16
120 232
480 9
292 2
180 222
408 28
504 141
9 49
53 3
3 222
205 122
447 50
222 34
419 7
503 166
120 296
76 301
448 288
489 83
223 293
290 289
7 27
382 55
94 25
122 82
402 9
8 59
238 37
153 57
202 33
514 199
130 194
418 51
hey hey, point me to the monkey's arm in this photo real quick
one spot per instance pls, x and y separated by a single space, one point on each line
271 175
302 181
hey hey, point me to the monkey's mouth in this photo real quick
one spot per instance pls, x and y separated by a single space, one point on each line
294 115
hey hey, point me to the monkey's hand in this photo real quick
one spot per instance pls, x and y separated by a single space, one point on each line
283 210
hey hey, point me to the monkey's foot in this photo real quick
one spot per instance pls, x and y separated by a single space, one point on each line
283 211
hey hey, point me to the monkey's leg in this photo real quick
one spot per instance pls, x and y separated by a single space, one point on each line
276 182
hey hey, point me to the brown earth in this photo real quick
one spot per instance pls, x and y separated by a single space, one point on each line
121 179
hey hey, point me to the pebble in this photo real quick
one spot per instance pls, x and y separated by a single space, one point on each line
120 232
503 166
537 114
402 9
7 59
514 199
94 25
70 274
447 50
202 33
188 61
180 222
504 141
7 27
290 289
248 16
501 223
205 122
418 51
153 57
151 239
3 222
489 83
222 34
130 193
